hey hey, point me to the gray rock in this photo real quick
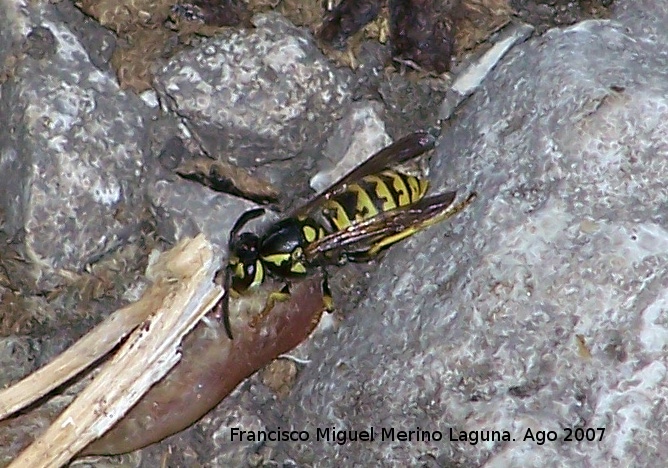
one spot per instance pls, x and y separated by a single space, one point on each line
357 135
254 96
542 307
72 150
186 209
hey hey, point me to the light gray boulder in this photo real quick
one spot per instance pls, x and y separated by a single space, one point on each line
540 308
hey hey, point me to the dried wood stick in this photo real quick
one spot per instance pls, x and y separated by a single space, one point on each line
183 291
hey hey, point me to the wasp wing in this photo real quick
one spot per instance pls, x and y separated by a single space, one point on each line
402 150
363 240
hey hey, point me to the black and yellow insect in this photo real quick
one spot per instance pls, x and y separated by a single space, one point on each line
368 210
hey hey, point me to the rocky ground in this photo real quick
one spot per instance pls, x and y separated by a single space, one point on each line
540 308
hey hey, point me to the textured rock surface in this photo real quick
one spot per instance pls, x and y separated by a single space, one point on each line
187 208
357 135
72 145
262 89
543 306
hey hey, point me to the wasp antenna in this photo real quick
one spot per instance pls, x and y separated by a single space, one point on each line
226 304
244 219
226 316
423 140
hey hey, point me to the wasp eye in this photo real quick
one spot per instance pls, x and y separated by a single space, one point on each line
246 241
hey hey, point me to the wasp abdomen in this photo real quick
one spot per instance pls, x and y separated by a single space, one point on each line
372 195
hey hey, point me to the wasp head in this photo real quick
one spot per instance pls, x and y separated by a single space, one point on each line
244 264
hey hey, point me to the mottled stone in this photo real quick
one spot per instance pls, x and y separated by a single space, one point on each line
72 148
543 305
187 208
254 96
357 136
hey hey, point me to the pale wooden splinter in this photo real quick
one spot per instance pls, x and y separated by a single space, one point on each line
183 291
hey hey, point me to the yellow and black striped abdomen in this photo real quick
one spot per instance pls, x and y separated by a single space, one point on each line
372 195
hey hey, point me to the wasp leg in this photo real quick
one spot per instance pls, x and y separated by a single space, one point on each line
284 295
276 296
327 299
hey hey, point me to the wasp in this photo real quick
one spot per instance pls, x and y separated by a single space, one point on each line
370 209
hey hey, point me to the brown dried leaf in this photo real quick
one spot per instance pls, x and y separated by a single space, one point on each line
223 177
